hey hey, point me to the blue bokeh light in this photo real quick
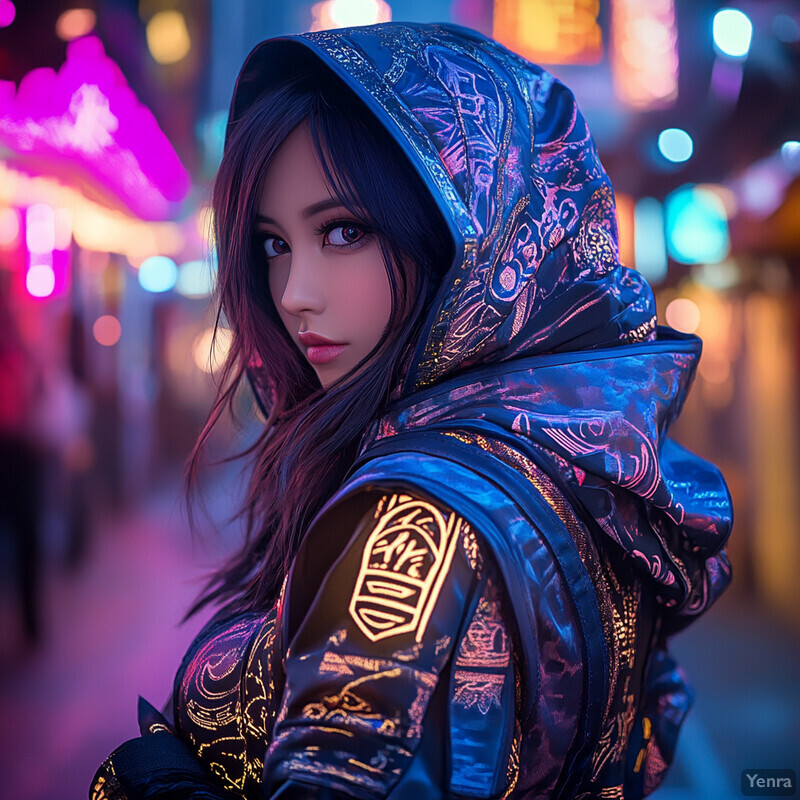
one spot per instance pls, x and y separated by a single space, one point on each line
790 155
697 226
675 145
650 249
158 274
733 32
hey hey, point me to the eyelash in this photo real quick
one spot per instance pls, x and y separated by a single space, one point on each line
324 230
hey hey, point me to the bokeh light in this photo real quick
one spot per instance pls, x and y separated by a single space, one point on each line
733 32
158 274
675 145
761 187
7 13
195 279
74 23
107 330
205 224
697 226
40 228
786 28
644 52
40 280
683 315
62 229
168 37
345 13
9 227
211 351
790 155
650 248
719 277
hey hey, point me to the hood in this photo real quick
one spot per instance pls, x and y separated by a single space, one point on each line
536 328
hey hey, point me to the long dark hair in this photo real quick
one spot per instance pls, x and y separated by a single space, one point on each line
311 436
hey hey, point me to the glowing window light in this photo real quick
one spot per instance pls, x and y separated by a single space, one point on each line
195 279
644 52
7 13
9 227
649 245
790 155
168 37
87 116
683 315
345 13
40 228
675 145
107 330
158 274
209 351
40 280
733 32
74 23
697 226
550 31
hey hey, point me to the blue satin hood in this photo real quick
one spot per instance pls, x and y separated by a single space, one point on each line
537 329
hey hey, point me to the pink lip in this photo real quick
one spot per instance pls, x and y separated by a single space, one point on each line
322 354
319 350
309 339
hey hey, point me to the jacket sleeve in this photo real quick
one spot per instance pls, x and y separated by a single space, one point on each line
364 663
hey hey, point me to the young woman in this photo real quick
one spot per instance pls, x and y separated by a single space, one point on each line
469 535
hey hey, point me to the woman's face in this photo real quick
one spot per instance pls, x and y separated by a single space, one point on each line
326 272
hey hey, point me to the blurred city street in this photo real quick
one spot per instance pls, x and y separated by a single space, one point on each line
113 118
111 633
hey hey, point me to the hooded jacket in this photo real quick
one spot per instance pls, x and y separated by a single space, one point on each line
494 583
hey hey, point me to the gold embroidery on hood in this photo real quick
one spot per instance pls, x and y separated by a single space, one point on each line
403 567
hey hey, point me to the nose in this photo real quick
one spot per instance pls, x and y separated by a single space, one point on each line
303 290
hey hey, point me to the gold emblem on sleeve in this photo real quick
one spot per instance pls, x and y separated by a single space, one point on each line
403 567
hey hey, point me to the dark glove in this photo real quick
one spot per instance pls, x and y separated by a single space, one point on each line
155 765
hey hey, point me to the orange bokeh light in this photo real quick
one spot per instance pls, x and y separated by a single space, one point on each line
74 23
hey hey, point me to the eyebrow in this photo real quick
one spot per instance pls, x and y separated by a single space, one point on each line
310 211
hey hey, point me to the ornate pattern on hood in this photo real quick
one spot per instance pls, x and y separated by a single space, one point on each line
537 328
510 161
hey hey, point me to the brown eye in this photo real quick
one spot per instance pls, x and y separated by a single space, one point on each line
343 235
273 246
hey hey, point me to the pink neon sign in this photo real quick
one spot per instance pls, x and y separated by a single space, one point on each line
87 115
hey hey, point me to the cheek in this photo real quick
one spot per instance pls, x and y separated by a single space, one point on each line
371 301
